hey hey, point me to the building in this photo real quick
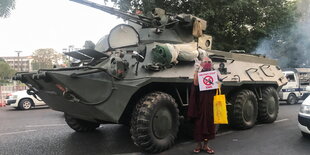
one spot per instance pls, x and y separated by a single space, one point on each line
22 63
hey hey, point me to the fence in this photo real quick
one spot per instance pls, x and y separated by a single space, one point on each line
5 90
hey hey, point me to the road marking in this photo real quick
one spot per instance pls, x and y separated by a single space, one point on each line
18 132
44 125
188 142
224 133
281 120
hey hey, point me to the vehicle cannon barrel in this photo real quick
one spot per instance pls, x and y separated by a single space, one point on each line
158 18
138 19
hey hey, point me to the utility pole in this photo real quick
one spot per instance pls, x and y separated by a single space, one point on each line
19 66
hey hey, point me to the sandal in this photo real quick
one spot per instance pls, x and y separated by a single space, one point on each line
208 150
197 150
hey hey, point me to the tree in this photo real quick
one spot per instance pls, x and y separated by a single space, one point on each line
234 24
5 71
290 45
45 58
5 7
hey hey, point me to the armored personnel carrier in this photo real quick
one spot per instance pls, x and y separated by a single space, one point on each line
140 75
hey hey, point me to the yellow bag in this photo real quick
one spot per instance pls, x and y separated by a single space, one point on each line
219 108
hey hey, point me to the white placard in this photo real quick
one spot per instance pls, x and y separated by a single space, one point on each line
208 80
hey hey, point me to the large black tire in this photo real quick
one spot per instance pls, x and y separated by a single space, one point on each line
80 125
244 110
292 99
25 104
268 108
155 122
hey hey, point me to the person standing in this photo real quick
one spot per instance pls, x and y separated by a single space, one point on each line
200 109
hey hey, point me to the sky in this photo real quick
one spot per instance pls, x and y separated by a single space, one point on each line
57 24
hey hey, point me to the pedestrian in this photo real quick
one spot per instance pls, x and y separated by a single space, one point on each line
200 110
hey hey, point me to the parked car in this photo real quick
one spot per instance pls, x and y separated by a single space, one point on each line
295 89
21 100
304 117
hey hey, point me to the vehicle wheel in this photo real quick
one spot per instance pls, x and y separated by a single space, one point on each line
292 99
80 125
155 122
268 108
244 110
305 134
25 104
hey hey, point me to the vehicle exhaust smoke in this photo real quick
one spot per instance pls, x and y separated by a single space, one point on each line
291 47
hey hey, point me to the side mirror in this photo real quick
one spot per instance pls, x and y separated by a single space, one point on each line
308 88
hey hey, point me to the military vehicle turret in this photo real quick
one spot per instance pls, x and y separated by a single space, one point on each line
140 75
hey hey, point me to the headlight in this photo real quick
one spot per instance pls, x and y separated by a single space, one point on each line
305 109
14 97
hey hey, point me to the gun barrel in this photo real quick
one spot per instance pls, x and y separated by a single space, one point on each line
125 15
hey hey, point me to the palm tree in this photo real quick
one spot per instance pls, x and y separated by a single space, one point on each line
5 7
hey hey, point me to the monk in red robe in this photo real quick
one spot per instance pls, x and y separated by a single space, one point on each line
200 109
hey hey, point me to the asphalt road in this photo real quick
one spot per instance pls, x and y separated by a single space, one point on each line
44 131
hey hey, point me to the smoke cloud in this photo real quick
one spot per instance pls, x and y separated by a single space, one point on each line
291 47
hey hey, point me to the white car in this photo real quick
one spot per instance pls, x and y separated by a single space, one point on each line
21 100
304 117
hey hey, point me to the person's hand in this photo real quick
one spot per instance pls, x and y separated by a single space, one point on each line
219 83
197 64
197 70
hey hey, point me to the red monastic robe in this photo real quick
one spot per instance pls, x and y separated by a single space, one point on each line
200 109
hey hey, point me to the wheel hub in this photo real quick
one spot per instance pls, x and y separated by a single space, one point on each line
162 123
292 99
248 110
26 104
271 105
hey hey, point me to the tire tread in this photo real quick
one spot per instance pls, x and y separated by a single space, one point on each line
235 116
141 119
80 125
263 115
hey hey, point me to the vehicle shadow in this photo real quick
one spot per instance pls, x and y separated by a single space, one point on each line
36 108
302 144
283 103
40 107
110 139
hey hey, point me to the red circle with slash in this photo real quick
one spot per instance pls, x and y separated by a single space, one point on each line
208 80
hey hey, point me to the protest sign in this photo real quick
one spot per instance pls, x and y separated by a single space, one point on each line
208 80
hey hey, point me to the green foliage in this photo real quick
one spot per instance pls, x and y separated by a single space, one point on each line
5 7
234 24
290 45
6 73
45 58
